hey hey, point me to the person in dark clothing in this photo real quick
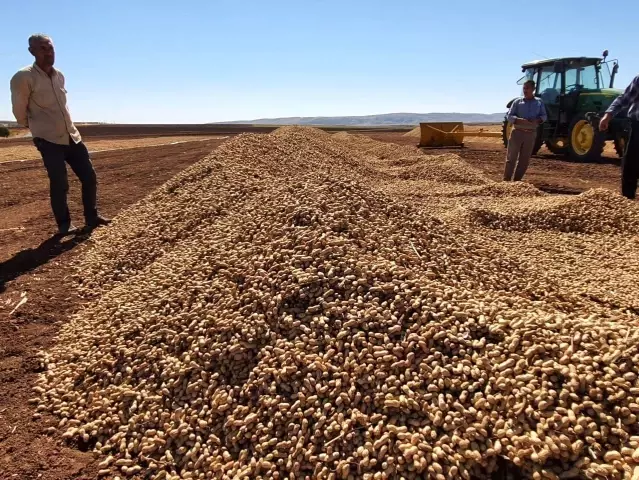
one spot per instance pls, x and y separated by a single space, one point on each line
39 102
630 165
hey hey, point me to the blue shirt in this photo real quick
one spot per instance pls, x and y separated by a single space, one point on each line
532 109
629 98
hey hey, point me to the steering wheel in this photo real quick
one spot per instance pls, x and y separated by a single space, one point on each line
576 85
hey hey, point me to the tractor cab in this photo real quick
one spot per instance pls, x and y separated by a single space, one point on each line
576 92
560 82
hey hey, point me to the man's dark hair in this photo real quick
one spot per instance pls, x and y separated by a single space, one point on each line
530 83
36 37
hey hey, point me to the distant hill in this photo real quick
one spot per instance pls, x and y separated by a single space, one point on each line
378 120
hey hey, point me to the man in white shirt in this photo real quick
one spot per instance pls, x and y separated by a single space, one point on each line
39 102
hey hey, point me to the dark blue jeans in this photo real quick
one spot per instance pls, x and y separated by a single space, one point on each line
55 158
630 163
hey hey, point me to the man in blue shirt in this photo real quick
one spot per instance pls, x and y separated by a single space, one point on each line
630 164
525 115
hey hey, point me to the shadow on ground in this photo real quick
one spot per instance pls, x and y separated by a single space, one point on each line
31 258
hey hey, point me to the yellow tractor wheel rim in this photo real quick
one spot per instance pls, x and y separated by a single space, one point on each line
582 137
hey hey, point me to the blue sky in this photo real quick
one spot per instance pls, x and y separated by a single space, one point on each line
201 61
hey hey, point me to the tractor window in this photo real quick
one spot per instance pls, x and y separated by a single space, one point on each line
529 75
582 78
549 85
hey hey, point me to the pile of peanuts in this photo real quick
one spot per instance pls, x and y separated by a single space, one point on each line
284 309
594 211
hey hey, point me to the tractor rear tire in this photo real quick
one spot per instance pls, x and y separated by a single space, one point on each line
507 128
539 140
586 143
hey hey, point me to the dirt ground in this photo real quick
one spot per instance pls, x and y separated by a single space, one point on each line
13 151
25 150
35 267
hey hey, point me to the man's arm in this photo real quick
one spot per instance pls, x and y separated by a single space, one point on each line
20 92
512 114
627 98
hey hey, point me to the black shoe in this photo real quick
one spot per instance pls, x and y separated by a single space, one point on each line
67 229
98 221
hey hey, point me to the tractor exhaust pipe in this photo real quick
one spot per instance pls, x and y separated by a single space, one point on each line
615 69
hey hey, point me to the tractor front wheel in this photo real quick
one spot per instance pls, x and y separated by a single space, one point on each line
586 142
507 129
558 146
505 132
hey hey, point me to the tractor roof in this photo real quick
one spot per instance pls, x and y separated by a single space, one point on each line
549 62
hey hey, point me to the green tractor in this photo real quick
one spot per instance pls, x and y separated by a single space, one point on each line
576 91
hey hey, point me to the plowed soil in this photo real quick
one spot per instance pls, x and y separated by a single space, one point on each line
33 266
23 149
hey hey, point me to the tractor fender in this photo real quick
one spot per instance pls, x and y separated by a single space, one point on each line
593 119
509 104
616 123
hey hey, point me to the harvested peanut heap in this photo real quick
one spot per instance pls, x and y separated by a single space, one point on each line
604 268
595 211
274 311
586 244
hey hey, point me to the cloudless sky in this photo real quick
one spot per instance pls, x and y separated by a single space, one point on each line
193 61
